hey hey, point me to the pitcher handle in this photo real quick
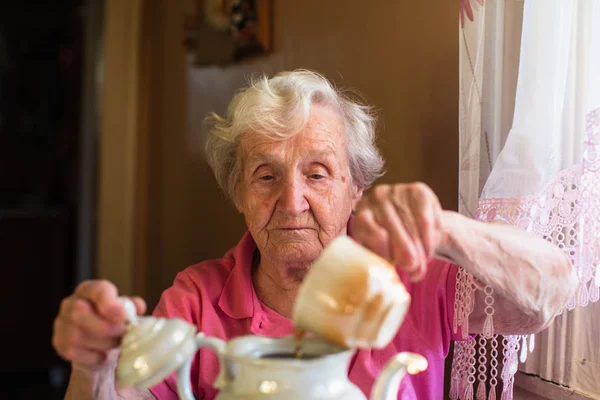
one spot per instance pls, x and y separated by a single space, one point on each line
184 388
387 384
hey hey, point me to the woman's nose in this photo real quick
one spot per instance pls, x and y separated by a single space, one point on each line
293 198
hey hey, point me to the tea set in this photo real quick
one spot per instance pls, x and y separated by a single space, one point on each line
350 299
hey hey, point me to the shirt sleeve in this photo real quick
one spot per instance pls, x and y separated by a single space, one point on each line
179 301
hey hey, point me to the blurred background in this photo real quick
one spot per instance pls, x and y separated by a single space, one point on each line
102 173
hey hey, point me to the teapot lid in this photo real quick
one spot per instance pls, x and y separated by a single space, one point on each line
152 348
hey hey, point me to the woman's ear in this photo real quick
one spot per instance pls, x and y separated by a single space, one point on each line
358 192
238 207
237 200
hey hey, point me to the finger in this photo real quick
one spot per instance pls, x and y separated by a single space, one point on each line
140 304
370 233
84 317
66 305
104 297
56 334
68 335
408 216
425 210
409 255
424 206
98 344
85 357
402 245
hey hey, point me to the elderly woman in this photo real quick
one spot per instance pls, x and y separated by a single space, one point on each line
295 156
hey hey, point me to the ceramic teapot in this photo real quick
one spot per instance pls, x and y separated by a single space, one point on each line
252 367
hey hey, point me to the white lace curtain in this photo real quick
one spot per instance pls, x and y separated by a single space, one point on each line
530 156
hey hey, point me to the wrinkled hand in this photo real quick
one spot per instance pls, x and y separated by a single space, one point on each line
402 223
91 323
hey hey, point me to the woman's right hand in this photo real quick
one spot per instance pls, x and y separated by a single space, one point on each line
90 324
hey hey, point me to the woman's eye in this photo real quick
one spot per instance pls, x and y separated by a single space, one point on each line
317 176
266 177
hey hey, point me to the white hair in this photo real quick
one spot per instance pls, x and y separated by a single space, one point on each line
279 107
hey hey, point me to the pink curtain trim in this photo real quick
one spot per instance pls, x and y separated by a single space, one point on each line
567 213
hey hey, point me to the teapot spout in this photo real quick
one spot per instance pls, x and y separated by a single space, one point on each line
387 384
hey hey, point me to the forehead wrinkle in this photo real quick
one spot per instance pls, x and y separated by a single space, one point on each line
320 139
321 153
261 157
251 150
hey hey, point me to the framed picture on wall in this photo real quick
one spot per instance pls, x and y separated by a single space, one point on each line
228 31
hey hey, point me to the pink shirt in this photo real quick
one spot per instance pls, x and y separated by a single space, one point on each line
218 296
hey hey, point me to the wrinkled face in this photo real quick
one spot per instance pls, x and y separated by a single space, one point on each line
297 194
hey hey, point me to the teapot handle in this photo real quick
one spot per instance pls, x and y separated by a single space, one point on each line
387 385
184 389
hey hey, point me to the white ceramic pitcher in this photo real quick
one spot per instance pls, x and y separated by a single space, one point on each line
153 348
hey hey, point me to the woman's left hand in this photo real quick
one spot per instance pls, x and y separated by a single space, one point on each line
402 223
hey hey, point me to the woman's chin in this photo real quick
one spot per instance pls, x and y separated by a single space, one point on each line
296 251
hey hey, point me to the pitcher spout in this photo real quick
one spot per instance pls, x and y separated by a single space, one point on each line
387 384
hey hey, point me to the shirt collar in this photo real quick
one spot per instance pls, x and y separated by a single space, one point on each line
236 299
